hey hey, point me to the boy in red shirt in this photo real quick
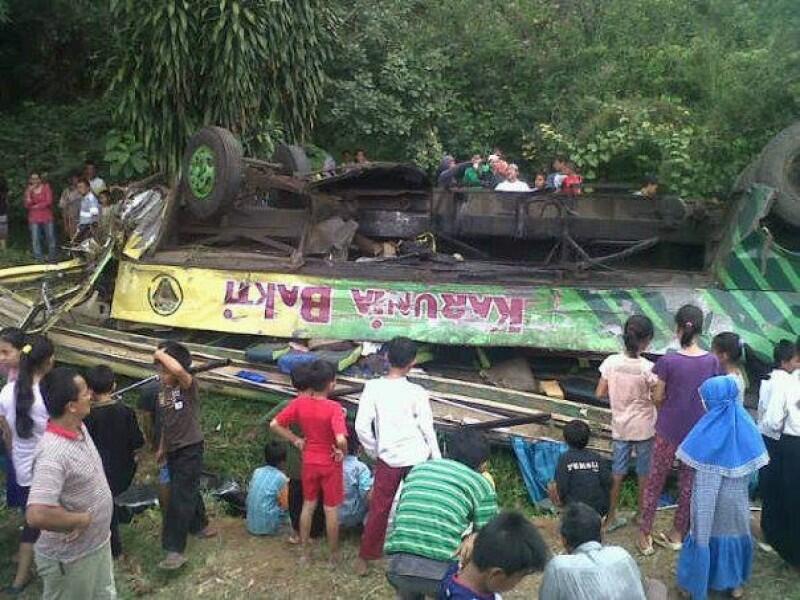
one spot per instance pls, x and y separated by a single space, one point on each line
322 423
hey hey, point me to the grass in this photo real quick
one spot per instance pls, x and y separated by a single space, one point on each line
15 255
238 565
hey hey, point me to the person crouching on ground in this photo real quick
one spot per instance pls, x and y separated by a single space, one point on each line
322 423
582 475
590 570
440 500
116 435
358 481
268 494
506 550
70 501
181 446
394 424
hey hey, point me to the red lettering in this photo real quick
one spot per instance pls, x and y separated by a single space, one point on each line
399 303
430 302
315 304
268 298
511 312
365 301
455 306
237 295
481 305
288 294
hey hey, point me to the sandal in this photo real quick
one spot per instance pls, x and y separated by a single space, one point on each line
172 562
618 523
662 539
737 593
206 533
647 550
13 590
766 548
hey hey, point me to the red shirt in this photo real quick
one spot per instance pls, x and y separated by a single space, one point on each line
40 205
572 185
320 420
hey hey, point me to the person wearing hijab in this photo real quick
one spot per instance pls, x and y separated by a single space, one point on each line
724 448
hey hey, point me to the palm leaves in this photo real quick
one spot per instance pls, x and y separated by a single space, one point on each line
242 64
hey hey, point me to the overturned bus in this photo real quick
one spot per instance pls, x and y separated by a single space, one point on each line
242 251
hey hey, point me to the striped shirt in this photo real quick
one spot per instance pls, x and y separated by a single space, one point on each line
440 500
68 472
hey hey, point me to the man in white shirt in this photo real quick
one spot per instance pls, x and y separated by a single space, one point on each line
512 182
394 424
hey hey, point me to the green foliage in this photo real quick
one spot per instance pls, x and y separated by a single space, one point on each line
624 140
254 68
51 50
693 89
125 155
51 139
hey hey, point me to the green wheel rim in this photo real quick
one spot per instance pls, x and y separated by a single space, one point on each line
202 172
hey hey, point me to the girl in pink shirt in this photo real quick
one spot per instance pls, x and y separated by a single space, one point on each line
627 379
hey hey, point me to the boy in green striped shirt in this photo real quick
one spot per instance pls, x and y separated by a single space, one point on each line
442 500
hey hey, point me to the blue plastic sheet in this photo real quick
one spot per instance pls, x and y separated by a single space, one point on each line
537 462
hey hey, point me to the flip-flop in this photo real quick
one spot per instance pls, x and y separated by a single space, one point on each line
206 533
766 548
647 550
618 523
13 590
172 563
663 540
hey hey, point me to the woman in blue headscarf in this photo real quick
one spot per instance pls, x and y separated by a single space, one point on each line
724 448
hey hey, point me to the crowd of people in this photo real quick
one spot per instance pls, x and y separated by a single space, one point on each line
432 512
496 173
84 207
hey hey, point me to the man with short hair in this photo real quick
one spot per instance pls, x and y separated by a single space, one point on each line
476 173
89 214
649 189
505 551
441 499
556 176
592 571
70 500
512 182
394 424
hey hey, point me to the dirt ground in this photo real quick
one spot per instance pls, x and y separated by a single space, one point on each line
238 565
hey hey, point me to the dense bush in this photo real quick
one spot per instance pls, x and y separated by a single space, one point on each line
53 140
685 88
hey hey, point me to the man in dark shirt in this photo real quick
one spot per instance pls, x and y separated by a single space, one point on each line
582 475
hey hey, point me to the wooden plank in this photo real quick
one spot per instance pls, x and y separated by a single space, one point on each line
479 394
567 408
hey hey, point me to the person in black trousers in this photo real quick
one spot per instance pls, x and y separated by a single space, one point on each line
116 435
181 447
